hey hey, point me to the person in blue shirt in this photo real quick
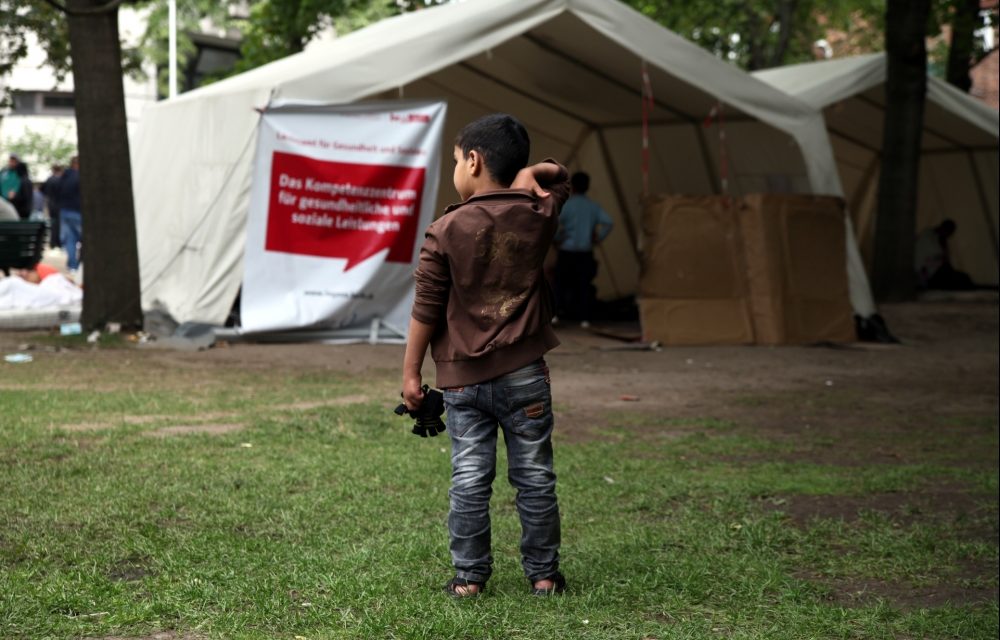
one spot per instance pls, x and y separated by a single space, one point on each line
582 224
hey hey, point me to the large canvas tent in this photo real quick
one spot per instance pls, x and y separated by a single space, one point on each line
958 165
570 69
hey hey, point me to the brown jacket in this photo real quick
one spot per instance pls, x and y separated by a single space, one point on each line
480 282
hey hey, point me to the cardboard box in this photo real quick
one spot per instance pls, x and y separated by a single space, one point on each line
764 269
692 288
796 257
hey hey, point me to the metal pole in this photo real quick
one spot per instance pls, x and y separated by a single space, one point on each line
172 38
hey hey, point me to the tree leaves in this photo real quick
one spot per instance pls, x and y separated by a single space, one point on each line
757 34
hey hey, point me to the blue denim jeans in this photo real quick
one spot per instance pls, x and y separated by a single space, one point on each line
520 403
71 232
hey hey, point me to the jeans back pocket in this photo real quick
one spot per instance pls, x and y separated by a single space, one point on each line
530 406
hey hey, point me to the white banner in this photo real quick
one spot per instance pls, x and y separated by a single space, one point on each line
340 199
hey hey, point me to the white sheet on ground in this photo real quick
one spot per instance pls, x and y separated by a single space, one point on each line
54 291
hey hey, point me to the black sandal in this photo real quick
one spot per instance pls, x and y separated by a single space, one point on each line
559 585
452 588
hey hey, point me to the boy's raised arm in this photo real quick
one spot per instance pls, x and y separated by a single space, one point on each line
536 177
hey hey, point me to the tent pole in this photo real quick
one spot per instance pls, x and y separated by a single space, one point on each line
611 274
600 74
862 188
619 193
713 176
985 205
865 219
482 105
873 103
580 139
853 140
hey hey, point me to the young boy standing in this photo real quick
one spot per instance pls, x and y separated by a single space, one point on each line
484 307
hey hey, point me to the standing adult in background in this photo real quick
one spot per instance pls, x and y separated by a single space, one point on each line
10 182
582 224
15 186
71 219
26 194
50 188
37 203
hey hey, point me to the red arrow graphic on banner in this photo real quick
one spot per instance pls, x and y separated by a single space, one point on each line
342 210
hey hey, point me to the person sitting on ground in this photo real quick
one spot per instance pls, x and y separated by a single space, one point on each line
29 289
582 224
932 261
36 274
483 305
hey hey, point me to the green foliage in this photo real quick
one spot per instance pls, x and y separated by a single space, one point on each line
19 21
34 22
41 149
279 28
757 34
190 13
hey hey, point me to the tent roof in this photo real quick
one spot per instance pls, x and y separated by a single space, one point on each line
588 77
952 119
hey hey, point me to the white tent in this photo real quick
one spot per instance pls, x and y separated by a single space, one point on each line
569 69
958 166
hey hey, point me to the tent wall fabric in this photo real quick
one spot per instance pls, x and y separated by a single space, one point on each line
569 69
958 168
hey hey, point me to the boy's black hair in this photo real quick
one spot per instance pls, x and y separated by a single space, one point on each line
503 142
580 182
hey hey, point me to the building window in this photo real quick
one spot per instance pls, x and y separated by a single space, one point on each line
44 103
57 101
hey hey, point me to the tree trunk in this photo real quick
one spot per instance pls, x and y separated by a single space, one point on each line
111 293
963 27
755 39
786 24
906 87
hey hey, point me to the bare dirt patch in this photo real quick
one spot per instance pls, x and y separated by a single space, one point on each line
955 506
215 429
148 419
306 405
961 589
131 569
82 427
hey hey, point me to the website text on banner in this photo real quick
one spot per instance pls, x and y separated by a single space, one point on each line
340 197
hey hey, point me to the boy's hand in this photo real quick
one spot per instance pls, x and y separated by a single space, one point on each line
413 393
532 178
525 179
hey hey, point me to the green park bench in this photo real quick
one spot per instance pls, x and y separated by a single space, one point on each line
21 244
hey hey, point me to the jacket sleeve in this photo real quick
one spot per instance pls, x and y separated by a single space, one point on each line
432 278
559 188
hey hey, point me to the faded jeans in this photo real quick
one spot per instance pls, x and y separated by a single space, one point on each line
520 403
71 232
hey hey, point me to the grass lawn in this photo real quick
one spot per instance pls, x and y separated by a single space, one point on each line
138 498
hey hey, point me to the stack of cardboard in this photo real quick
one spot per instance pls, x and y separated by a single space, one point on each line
761 269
